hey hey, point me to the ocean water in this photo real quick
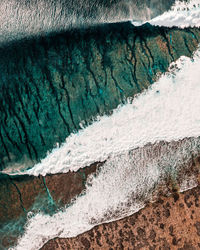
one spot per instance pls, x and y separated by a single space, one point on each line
20 19
145 141
169 110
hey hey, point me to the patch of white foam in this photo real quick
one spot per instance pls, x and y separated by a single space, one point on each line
121 188
189 183
169 110
182 14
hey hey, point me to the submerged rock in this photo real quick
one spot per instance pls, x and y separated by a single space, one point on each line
24 196
169 223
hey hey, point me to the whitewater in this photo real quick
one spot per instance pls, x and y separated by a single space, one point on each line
182 15
165 115
121 187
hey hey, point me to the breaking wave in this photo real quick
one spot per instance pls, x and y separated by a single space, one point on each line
182 14
168 111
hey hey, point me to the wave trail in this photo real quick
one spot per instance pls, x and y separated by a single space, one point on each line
122 186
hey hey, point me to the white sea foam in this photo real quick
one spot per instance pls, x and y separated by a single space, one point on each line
182 14
122 186
169 110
